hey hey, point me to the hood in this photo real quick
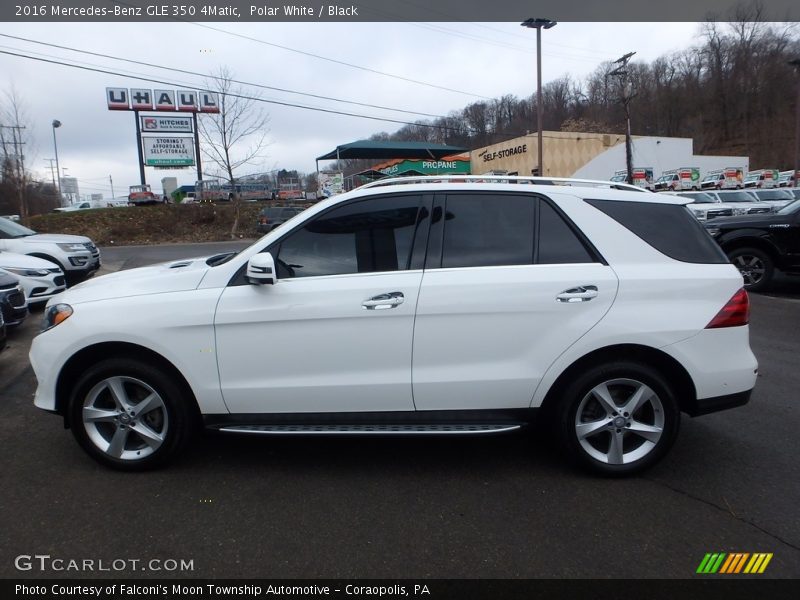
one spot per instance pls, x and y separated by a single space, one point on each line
57 238
174 276
7 280
23 261
761 220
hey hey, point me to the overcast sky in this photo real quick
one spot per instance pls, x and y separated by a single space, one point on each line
476 59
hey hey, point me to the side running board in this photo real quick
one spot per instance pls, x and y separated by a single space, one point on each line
384 429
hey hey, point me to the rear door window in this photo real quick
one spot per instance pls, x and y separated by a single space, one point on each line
484 230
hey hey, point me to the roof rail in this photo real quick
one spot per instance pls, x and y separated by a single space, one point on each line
567 181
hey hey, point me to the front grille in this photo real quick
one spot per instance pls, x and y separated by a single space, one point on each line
759 211
93 249
720 212
16 299
59 280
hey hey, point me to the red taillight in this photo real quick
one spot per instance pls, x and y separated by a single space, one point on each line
263 220
734 314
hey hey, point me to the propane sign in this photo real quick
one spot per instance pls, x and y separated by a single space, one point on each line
168 151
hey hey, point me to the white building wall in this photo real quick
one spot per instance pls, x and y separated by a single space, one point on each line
660 153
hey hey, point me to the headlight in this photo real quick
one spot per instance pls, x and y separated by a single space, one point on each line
27 272
56 314
72 247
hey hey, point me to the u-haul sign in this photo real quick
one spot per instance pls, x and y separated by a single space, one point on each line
161 100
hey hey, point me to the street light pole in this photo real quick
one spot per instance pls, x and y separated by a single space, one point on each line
56 125
796 64
538 24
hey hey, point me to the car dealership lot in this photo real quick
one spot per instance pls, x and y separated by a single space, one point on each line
478 507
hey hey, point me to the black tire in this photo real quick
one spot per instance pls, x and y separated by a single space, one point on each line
755 265
174 419
658 411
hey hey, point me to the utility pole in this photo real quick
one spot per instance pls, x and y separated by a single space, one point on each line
52 169
627 93
111 181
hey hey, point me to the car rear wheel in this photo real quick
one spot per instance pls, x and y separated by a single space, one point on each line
129 415
618 418
756 266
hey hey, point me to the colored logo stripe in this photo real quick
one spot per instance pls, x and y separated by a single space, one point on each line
723 563
758 563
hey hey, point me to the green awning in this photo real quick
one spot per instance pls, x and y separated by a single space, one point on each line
382 150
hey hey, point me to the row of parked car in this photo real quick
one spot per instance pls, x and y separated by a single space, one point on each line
710 204
34 267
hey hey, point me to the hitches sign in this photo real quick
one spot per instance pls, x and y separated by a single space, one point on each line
161 100
168 151
154 124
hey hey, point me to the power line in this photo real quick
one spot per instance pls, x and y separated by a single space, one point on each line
341 62
508 134
319 57
233 95
195 73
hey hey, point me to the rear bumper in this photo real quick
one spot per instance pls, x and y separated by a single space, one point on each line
722 368
705 406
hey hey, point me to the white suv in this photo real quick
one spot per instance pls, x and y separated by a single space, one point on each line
462 306
76 255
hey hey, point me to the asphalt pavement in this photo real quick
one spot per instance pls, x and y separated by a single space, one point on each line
498 507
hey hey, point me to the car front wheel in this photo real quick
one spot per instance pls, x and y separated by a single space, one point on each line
618 418
129 415
756 267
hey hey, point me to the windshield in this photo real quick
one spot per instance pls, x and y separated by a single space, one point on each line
790 209
701 198
9 229
772 195
735 197
712 177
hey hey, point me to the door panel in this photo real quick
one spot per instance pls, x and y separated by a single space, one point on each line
485 336
308 344
334 332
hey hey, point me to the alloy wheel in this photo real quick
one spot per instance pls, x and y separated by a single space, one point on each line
125 418
751 267
619 421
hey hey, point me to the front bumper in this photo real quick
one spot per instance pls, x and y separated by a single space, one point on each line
41 289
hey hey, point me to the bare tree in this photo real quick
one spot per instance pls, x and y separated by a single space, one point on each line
14 138
235 136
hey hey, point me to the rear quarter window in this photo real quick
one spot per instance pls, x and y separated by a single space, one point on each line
669 228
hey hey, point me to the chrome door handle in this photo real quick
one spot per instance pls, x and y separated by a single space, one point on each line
582 293
384 301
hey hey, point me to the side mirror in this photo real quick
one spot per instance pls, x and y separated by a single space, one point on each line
261 269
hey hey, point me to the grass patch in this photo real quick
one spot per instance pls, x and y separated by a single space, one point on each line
138 225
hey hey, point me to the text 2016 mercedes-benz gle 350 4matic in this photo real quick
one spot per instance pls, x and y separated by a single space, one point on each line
471 305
